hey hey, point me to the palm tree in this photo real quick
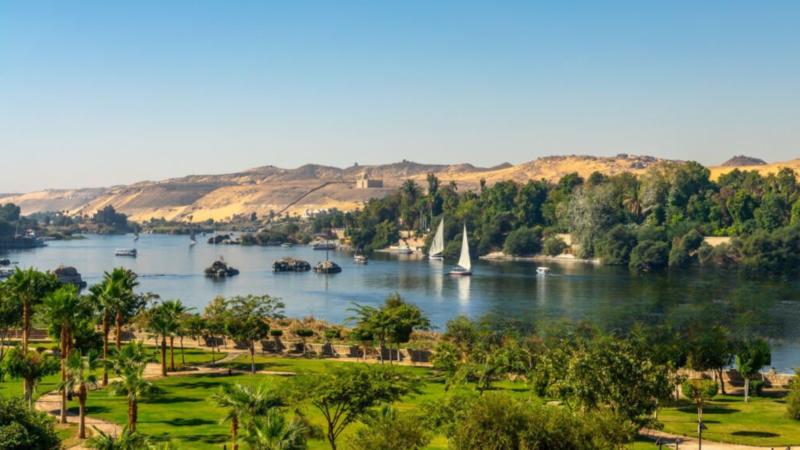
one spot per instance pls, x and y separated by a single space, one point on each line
175 309
129 365
240 401
125 281
103 297
64 309
274 432
127 440
80 374
28 287
162 323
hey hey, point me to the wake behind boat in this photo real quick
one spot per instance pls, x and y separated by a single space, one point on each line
464 266
437 246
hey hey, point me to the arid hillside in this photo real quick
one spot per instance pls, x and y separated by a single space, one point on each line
312 187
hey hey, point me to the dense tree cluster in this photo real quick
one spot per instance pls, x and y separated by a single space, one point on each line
651 222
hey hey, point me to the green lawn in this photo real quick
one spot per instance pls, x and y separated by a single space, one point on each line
185 413
729 419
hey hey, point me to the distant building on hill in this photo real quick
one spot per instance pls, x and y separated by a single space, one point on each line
363 182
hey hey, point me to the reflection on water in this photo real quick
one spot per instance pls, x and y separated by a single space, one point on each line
610 297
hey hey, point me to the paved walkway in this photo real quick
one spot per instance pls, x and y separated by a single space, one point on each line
691 443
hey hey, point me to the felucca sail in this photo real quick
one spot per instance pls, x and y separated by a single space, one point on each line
464 261
191 234
437 246
135 233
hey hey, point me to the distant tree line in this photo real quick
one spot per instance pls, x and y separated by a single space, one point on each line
652 221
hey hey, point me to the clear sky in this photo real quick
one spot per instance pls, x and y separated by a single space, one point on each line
97 93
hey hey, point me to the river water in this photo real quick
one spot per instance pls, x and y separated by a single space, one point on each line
605 296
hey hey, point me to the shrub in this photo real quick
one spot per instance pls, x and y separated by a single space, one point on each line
756 388
23 429
793 399
650 256
523 241
390 430
554 246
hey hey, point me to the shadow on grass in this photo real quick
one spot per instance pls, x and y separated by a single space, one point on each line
200 384
92 410
187 422
205 438
169 400
757 434
707 410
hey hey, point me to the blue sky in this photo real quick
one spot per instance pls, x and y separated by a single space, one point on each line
98 93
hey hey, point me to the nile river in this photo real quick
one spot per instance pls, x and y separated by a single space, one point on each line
605 296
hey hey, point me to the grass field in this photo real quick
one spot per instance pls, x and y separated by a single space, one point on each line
185 413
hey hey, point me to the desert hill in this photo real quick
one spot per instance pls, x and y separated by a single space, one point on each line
742 160
312 187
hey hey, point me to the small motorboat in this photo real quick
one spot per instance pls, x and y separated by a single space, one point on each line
324 246
404 250
5 273
360 258
286 244
543 271
125 252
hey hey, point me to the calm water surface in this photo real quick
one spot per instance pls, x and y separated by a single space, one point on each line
605 296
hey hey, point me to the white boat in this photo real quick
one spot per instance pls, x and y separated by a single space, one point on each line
5 273
543 271
324 246
404 250
286 244
464 266
437 246
125 252
360 258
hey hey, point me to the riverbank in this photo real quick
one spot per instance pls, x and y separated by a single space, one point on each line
563 258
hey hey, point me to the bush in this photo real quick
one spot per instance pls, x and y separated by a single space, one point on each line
554 246
389 429
682 250
756 388
523 241
22 429
650 256
793 399
616 246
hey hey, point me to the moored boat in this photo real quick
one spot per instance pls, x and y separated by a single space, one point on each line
404 250
126 252
543 271
360 257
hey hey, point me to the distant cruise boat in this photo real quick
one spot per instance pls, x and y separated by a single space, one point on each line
125 252
324 246
464 266
437 246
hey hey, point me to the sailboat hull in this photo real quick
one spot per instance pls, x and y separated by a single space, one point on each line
436 257
458 273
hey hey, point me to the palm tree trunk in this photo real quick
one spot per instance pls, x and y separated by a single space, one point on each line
163 356
183 356
132 415
105 348
253 358
172 352
119 329
82 413
234 432
63 356
26 318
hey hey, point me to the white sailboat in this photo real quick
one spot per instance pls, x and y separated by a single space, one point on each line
464 266
437 246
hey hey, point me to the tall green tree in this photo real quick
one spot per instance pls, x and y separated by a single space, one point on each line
29 287
129 363
245 401
343 395
63 310
162 321
80 371
31 367
752 355
176 310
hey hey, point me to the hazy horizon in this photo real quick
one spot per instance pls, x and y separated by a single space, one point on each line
94 94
